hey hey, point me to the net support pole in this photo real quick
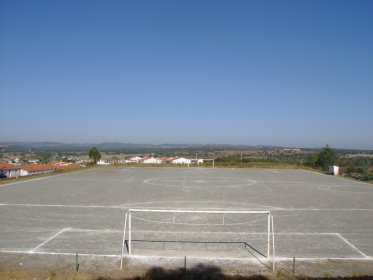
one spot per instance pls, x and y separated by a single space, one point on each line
129 232
273 245
269 236
124 240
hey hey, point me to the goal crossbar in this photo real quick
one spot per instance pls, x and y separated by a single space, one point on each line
210 159
270 229
200 211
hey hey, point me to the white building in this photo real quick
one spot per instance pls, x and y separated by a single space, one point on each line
9 170
152 160
181 161
134 160
333 170
102 162
35 169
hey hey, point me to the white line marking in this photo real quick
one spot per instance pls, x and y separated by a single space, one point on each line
176 257
196 232
126 206
235 232
203 202
16 183
323 209
95 230
49 239
324 259
351 245
42 178
290 259
62 205
54 253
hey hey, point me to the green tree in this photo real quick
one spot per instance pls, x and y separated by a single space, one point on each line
325 157
45 157
311 160
94 154
363 170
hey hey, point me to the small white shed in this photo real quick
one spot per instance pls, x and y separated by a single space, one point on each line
333 170
102 162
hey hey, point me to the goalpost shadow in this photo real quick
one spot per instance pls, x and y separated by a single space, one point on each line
255 253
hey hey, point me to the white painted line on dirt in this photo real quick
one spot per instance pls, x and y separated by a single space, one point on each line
305 233
177 257
61 205
38 179
16 183
351 245
58 254
203 202
322 209
197 232
49 239
126 206
152 257
235 232
95 230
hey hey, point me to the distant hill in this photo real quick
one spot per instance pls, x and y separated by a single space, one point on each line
115 146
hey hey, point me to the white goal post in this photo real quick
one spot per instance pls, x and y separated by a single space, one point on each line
210 159
270 230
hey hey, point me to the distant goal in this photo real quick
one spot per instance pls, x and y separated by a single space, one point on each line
199 233
210 159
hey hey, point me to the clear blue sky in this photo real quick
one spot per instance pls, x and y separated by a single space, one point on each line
288 73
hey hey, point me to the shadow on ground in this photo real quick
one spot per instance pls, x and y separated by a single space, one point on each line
207 272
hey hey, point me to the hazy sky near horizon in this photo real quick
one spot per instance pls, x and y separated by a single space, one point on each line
286 73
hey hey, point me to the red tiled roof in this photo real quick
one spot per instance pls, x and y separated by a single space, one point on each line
37 167
7 166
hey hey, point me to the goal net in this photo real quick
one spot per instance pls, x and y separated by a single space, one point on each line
199 233
209 159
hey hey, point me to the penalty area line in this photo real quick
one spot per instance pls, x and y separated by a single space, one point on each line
351 245
61 205
49 239
58 254
42 178
129 205
151 257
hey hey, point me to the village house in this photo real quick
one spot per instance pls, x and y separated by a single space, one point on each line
9 170
103 162
34 169
152 160
181 161
196 161
134 160
167 159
